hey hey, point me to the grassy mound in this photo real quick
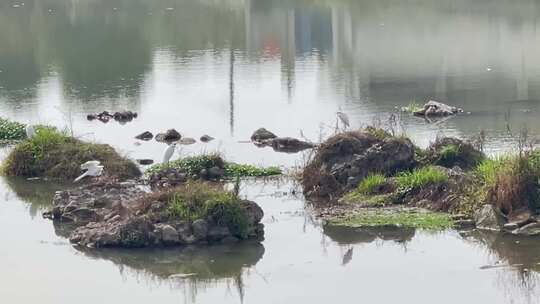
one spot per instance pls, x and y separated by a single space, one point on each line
55 155
449 152
197 200
193 166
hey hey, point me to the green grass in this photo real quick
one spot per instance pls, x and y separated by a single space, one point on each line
402 218
193 165
11 130
202 201
243 170
412 107
371 184
489 169
55 155
407 181
377 200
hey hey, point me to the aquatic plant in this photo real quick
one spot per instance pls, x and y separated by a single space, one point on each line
11 130
55 155
407 181
412 107
197 200
401 218
193 165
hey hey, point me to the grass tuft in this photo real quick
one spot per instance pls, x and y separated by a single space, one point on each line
198 200
371 184
407 181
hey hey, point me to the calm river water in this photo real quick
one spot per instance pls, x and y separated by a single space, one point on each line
228 67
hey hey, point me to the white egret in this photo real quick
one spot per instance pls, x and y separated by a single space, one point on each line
344 118
93 168
168 153
30 131
91 163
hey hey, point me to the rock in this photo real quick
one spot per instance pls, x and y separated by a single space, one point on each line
464 224
531 229
254 212
521 217
215 173
217 233
261 135
123 215
124 116
145 136
170 135
169 235
187 141
206 138
345 159
489 218
287 144
435 108
200 228
105 116
145 161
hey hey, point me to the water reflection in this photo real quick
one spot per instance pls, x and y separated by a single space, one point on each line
368 56
192 268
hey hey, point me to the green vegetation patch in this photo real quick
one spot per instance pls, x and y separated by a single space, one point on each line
11 130
371 184
193 165
407 181
375 200
449 152
55 155
511 182
412 218
197 200
412 107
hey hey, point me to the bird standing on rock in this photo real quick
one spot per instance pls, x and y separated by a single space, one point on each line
168 153
30 131
93 168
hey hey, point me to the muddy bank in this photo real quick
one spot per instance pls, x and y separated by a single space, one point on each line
368 178
111 214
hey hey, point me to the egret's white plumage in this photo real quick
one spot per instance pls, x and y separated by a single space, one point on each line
91 163
93 168
344 118
168 153
30 131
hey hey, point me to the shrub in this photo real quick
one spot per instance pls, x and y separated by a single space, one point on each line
55 155
421 177
371 184
197 200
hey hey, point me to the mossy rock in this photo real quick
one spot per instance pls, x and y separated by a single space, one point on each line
54 155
